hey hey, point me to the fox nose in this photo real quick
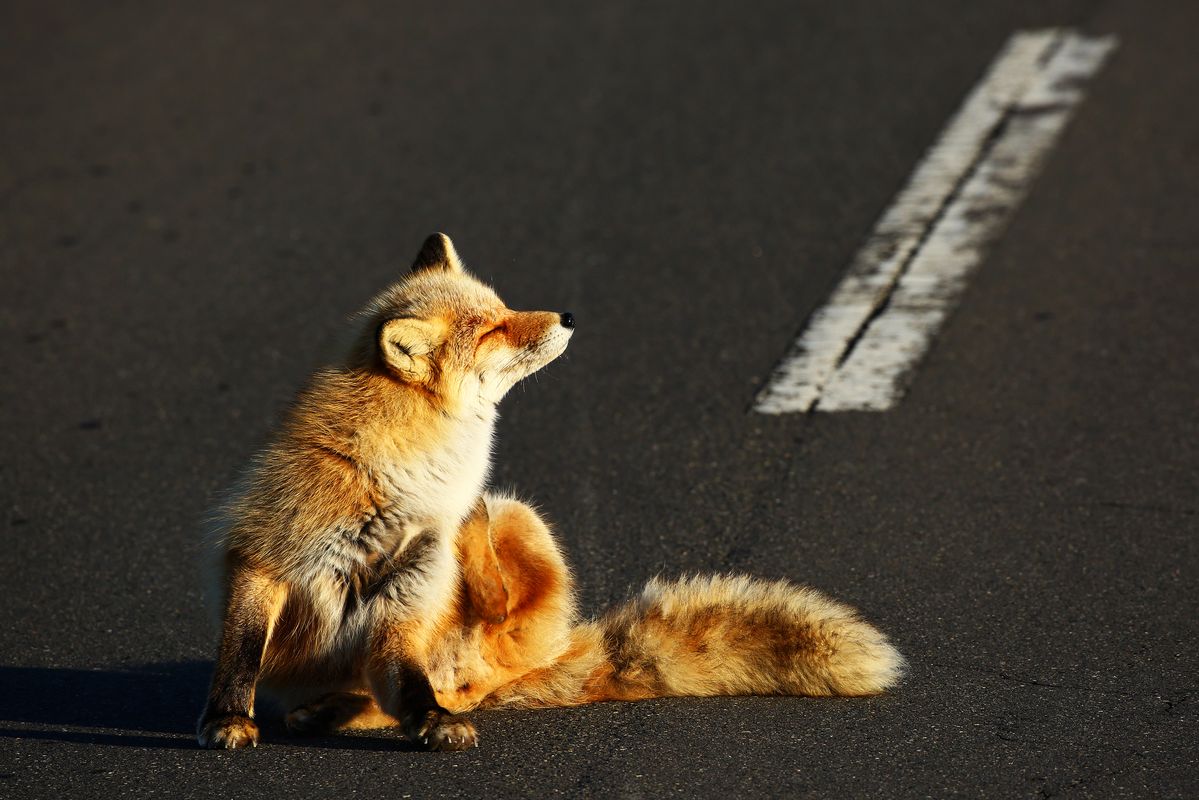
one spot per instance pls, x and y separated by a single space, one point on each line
568 320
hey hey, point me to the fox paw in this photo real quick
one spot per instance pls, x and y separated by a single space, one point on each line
445 732
329 713
306 721
228 733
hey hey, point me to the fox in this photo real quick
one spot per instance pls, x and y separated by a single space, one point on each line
368 578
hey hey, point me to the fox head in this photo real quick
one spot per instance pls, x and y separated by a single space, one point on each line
444 332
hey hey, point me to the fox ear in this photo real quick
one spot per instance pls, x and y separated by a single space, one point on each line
437 253
405 345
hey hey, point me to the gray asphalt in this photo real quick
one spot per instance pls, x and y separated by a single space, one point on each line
193 198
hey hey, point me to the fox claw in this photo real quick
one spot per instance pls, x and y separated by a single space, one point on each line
228 733
443 731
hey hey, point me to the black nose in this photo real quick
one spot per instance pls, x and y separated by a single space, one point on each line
568 320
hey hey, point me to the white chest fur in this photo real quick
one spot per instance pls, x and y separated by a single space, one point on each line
436 488
402 559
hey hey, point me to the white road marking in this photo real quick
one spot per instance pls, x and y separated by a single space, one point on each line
857 352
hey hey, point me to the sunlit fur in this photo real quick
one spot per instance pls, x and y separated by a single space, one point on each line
347 519
361 539
698 636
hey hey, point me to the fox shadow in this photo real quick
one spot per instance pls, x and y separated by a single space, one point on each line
153 705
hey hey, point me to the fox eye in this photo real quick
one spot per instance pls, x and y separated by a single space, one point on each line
493 330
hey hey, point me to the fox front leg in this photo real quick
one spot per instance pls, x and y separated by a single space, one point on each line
252 605
402 689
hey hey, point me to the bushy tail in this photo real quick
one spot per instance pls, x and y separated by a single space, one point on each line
715 635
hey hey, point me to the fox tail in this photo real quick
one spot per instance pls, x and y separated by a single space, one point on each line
714 635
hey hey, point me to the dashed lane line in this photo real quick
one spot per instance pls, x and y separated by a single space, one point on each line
858 352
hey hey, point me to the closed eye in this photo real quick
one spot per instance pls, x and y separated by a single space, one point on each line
497 329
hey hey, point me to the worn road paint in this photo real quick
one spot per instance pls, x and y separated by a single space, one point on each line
857 352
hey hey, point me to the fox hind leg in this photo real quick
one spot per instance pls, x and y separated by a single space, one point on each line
403 690
338 711
422 720
482 578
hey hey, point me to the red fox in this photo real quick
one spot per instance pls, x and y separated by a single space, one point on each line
368 580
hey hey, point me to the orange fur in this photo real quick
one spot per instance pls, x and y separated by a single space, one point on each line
369 580
702 636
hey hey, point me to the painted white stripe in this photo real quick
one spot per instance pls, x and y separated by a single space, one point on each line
857 351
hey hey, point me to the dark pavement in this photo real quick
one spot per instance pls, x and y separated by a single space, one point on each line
193 198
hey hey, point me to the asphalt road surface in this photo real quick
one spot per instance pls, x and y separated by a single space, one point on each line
193 198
